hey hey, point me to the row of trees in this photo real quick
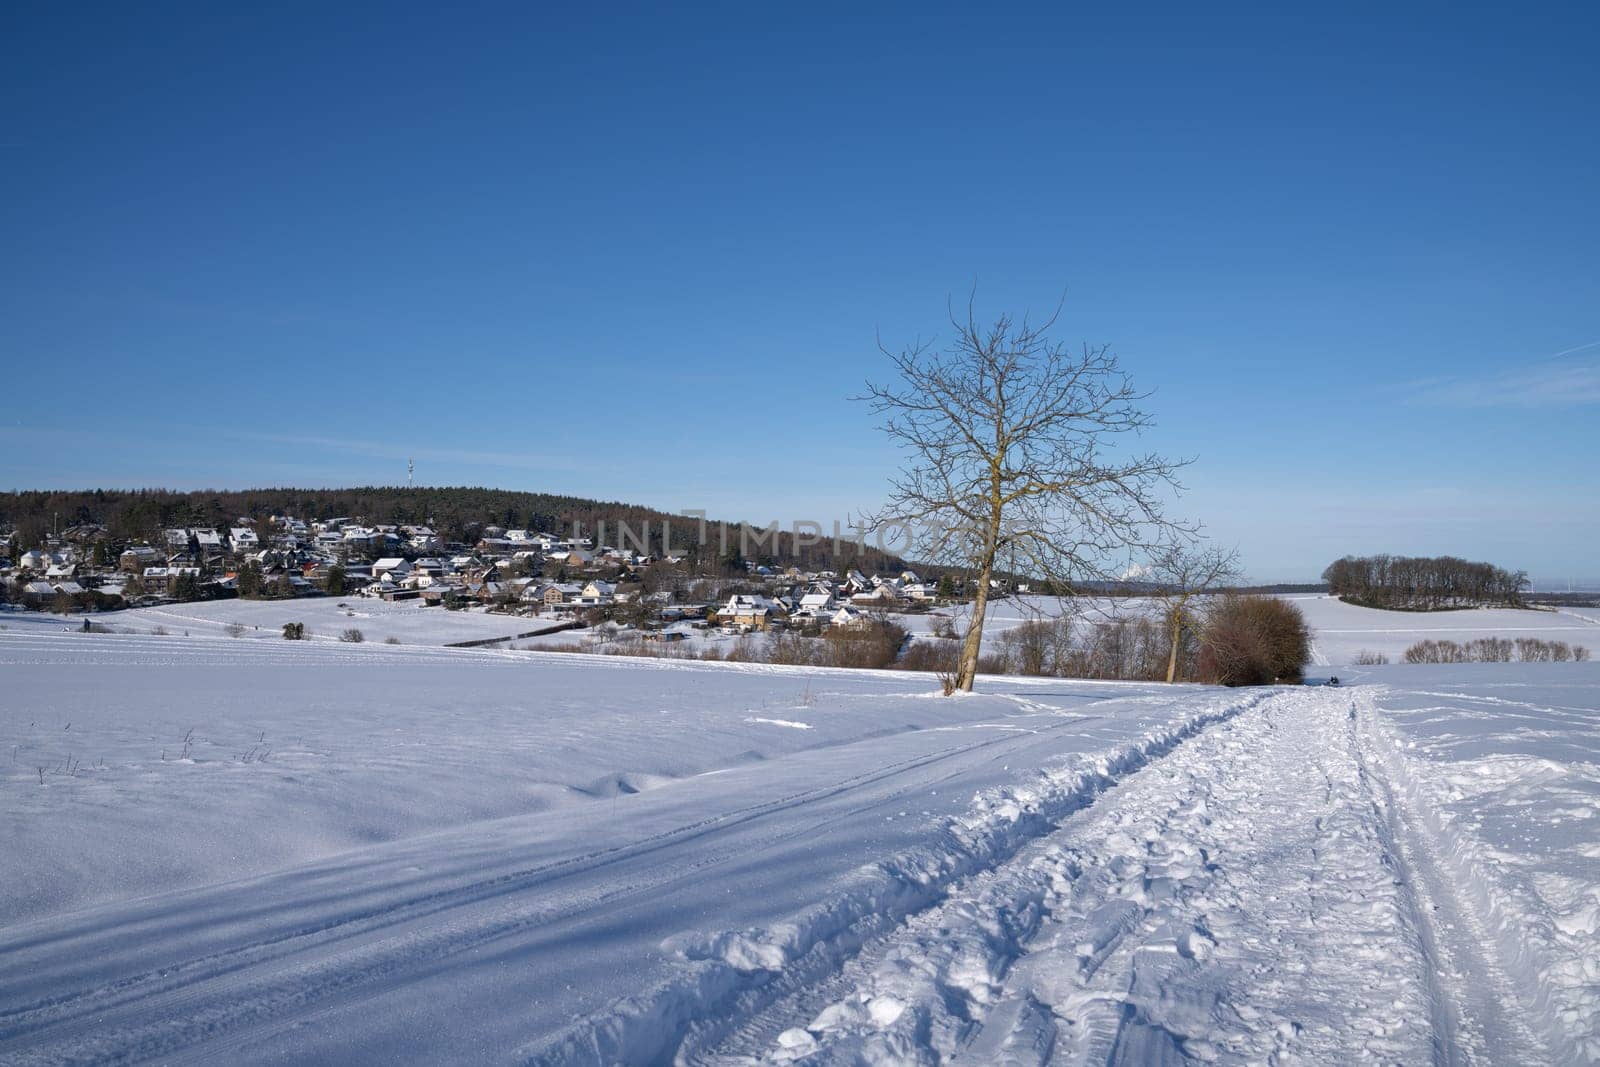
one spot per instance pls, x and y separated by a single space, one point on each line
1230 640
1424 583
1496 650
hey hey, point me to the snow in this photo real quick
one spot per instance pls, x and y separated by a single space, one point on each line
407 621
1342 631
247 851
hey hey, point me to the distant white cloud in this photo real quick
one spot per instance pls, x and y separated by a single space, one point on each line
1553 382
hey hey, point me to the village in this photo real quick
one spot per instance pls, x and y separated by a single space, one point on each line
516 572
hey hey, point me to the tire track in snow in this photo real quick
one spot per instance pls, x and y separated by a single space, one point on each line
1234 900
1489 1022
735 976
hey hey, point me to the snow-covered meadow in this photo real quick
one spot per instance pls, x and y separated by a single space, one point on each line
405 622
242 851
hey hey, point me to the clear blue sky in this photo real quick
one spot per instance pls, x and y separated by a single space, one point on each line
643 254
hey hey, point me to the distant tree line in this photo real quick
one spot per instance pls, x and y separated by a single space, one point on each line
1496 650
1424 583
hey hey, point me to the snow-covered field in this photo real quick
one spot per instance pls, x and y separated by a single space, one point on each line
240 851
408 622
1342 631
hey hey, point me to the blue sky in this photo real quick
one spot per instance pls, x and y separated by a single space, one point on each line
545 249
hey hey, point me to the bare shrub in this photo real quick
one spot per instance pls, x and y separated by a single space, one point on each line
1250 640
874 644
391 640
234 629
352 636
939 655
1370 659
793 650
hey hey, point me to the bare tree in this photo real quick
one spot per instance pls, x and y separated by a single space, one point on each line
1010 453
1180 573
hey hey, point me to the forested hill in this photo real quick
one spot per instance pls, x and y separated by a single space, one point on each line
456 513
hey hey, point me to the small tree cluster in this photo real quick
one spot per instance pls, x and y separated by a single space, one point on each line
1496 650
1250 640
352 636
1423 583
294 631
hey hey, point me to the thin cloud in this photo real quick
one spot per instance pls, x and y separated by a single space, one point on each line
1552 383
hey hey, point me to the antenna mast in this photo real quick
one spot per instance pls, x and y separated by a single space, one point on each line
411 467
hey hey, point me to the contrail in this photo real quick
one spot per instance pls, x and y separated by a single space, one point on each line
1568 352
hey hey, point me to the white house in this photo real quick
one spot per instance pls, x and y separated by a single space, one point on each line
392 567
847 616
244 539
817 602
887 593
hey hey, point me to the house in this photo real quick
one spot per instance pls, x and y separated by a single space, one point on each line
441 594
137 558
817 602
160 579
557 594
848 617
496 546
177 540
598 592
35 561
919 591
85 533
753 612
69 588
208 542
392 567
61 572
244 539
886 593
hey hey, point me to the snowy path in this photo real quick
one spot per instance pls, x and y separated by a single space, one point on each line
1244 899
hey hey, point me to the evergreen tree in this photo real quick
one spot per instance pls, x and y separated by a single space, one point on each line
249 580
185 587
335 581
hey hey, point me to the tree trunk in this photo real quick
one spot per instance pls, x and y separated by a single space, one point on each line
1172 658
970 648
